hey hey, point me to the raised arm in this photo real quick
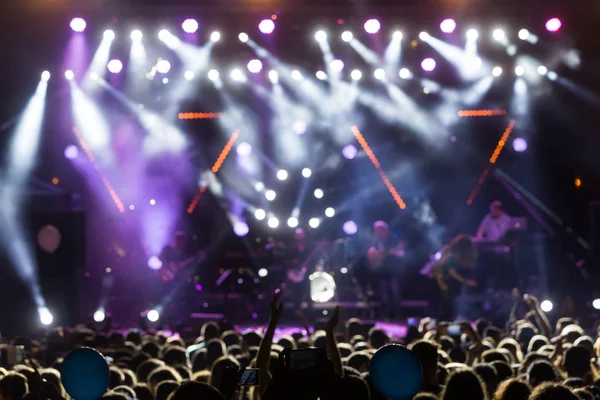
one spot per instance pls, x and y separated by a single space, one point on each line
540 317
333 353
264 351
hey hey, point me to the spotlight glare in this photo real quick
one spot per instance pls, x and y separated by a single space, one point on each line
320 36
497 71
153 262
350 228
163 66
314 223
109 34
273 76
519 70
259 186
69 75
115 66
213 74
237 75
244 149
321 75
523 34
270 195
188 75
428 64
254 66
78 24
240 228
472 34
379 74
273 222
153 315
263 272
306 172
372 26
99 316
356 75
94 76
215 36
243 37
519 145
299 127
347 36
336 65
552 75
349 151
45 76
318 193
553 25
546 306
165 80
498 35
404 73
282 174
266 26
45 315
596 304
190 25
448 25
296 75
164 35
397 36
292 222
542 70
136 35
423 36
260 214
71 152
329 212
343 270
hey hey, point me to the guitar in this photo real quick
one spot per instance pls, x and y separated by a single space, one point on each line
377 257
297 275
168 272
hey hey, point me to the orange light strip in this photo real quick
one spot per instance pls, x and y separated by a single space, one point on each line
363 143
215 168
480 113
493 159
111 191
199 115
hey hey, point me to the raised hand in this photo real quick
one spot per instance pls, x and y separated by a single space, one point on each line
333 321
276 308
531 301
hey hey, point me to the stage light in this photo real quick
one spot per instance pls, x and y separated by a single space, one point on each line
243 37
423 36
372 26
356 75
336 65
165 80
215 36
163 66
45 76
306 172
397 35
240 228
350 228
131 207
448 25
153 315
263 272
254 66
78 24
497 71
321 75
292 222
45 315
578 182
109 34
552 75
270 195
546 306
299 127
553 25
69 75
319 193
428 64
523 34
542 70
152 202
71 152
190 25
404 73
164 35
213 74
282 174
260 214
244 149
320 36
343 270
99 316
296 75
519 70
259 186
154 263
273 76
266 26
349 151
136 35
115 66
237 75
472 34
519 144
498 35
94 76
188 75
596 304
314 223
273 222
347 36
329 212
379 74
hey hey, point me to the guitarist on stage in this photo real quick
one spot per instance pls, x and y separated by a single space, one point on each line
383 257
177 257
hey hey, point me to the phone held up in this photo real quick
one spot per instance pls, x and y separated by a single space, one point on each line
304 359
250 377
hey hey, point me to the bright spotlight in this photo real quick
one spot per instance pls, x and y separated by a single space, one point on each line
519 70
270 195
243 37
259 186
347 36
45 315
299 127
99 316
213 74
163 66
552 75
282 174
596 304
237 75
240 228
254 66
266 26
109 34
314 223
343 270
78 24
136 35
546 306
349 151
215 36
153 315
523 34
320 36
165 80
45 76
472 34
519 145
71 152
336 65
428 64
273 76
188 75
321 75
244 149
553 25
273 222
319 193
423 36
397 36
69 75
379 74
497 71
296 75
372 26
190 25
260 214
350 228
94 76
152 202
154 262
164 35
115 66
356 75
499 35
542 70
263 272
329 212
404 73
448 25
292 222
306 172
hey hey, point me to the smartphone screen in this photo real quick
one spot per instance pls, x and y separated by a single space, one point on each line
432 324
249 377
19 354
454 330
306 359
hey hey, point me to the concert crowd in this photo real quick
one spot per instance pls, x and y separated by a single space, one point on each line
528 358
